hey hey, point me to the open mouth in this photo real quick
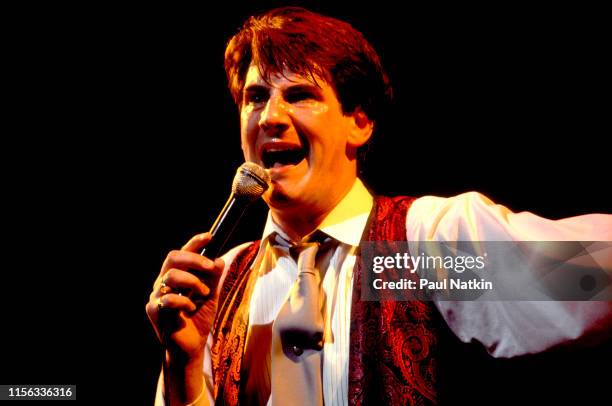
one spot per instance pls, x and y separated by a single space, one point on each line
274 158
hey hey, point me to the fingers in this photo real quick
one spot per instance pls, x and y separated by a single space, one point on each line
185 277
172 300
197 242
187 260
175 302
178 279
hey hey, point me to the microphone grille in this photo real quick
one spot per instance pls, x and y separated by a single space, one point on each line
251 181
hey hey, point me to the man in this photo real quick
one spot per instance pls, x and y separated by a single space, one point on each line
311 90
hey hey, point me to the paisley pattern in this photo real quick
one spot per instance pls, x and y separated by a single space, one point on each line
393 344
230 328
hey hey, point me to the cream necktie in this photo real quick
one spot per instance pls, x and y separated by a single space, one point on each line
297 337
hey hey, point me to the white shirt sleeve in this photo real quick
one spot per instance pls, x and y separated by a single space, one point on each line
509 328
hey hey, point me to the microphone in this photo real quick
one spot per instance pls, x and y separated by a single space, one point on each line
250 182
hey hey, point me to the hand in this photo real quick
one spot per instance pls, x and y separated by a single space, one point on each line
181 325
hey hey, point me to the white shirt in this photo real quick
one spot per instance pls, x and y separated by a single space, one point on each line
277 272
505 328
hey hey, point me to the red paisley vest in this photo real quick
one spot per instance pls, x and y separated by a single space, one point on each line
393 344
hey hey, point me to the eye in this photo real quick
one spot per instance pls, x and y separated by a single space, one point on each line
255 97
300 95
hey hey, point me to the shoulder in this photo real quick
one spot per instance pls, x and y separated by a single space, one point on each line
237 252
458 217
396 204
443 205
473 216
236 261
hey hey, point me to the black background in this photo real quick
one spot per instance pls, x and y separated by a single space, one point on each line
122 140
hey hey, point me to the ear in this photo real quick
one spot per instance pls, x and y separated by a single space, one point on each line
361 128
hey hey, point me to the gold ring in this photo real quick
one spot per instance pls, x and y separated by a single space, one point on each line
164 288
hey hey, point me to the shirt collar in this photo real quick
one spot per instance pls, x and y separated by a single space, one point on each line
344 223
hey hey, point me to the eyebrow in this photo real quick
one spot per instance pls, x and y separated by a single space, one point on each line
255 88
301 87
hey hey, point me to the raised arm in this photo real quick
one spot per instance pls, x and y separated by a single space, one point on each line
511 328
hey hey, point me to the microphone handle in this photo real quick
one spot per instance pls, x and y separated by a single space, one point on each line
221 231
224 226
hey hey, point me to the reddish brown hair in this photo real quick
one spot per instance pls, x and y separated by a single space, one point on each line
310 44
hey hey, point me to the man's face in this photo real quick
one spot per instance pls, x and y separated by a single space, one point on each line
297 131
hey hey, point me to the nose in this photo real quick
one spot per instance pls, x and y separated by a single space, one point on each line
274 117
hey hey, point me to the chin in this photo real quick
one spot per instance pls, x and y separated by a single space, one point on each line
279 199
282 201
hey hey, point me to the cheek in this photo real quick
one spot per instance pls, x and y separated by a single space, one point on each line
331 135
248 131
319 109
246 115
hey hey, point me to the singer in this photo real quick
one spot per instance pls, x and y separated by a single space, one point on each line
280 320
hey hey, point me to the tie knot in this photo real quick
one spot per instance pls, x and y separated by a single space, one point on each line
318 236
307 255
306 249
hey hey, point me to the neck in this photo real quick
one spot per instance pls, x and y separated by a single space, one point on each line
297 229
299 221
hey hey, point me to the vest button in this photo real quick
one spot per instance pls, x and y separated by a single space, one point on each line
297 350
